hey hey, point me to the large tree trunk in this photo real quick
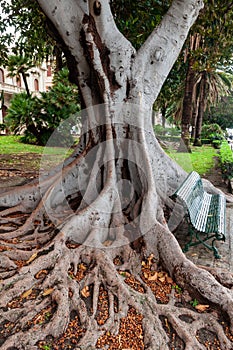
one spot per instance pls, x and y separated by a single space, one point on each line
201 109
68 243
187 111
25 83
163 112
194 112
189 94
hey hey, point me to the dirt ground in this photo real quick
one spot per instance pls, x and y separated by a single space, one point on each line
17 169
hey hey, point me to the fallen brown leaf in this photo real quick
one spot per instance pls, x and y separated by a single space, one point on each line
41 273
26 294
107 243
31 258
201 307
162 279
48 291
82 267
153 277
169 280
150 259
85 292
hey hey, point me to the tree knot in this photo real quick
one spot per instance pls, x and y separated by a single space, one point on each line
159 54
97 8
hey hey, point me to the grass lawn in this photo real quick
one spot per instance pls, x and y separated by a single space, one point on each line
201 159
12 150
11 144
24 157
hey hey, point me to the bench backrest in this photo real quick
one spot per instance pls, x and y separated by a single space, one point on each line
205 213
191 193
200 205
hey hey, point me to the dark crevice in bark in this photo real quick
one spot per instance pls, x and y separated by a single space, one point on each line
114 134
125 172
62 47
175 342
127 89
75 200
104 55
137 244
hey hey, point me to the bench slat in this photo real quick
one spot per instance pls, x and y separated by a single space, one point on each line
207 212
202 213
222 215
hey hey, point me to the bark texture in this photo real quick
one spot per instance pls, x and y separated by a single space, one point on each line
189 113
93 233
201 109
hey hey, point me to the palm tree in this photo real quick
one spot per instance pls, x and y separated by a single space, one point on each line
194 44
17 65
211 85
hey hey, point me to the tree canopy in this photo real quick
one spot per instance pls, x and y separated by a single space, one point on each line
24 30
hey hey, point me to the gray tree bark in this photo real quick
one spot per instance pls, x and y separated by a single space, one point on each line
107 201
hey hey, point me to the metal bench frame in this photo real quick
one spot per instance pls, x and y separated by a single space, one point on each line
204 212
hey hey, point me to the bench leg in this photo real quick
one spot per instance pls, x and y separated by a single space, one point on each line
190 243
201 241
216 254
212 247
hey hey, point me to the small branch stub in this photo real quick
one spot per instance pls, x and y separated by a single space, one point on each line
159 54
97 8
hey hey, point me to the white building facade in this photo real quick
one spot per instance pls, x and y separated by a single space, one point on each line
39 79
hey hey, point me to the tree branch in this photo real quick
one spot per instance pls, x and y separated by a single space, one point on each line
68 27
158 54
106 26
94 20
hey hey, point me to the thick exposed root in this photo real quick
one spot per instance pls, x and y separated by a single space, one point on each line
100 268
48 285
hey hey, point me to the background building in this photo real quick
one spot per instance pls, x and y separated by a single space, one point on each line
39 79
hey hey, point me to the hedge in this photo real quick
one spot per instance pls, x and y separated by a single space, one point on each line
226 161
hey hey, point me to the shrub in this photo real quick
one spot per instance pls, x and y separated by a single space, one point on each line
217 142
161 131
226 161
36 119
205 141
211 129
214 133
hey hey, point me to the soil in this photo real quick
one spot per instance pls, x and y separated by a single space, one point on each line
17 169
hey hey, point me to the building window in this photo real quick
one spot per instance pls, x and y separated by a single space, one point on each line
18 82
49 71
1 76
36 85
4 111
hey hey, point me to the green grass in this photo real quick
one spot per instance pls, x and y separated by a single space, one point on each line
12 145
30 157
201 159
